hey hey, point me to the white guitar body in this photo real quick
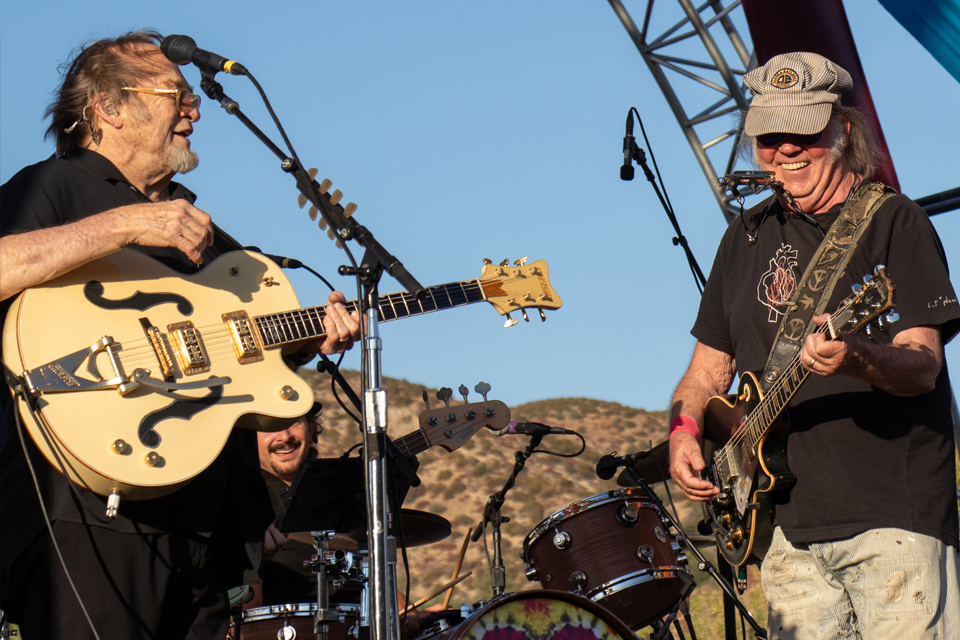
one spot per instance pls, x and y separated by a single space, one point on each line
78 430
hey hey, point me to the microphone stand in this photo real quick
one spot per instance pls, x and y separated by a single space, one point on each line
637 155
702 563
491 514
383 607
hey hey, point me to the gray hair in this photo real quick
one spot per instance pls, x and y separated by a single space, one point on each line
862 151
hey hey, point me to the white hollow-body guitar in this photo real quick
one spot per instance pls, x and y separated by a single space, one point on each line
138 373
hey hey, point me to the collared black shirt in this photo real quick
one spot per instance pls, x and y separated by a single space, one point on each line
60 191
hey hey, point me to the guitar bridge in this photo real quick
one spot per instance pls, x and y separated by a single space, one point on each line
58 376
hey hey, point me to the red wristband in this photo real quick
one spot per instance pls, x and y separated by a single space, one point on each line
686 425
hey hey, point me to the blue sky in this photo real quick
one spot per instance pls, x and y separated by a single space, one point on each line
476 130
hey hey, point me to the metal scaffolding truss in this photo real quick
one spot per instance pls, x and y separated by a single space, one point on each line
676 51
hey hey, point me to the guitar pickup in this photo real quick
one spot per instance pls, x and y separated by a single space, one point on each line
242 336
188 347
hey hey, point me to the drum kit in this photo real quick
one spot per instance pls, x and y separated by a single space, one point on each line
608 565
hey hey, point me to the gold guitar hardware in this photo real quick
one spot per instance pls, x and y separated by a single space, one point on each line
153 459
270 282
234 271
120 447
287 392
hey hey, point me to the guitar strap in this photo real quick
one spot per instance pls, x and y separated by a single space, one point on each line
821 276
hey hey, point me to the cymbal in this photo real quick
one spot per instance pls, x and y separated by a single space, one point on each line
648 467
419 528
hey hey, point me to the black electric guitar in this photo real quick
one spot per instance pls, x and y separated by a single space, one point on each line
752 465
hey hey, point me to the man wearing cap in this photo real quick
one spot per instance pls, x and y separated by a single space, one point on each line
866 541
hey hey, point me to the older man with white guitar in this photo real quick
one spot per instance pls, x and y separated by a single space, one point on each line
156 567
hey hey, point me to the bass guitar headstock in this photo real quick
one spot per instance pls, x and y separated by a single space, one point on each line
452 425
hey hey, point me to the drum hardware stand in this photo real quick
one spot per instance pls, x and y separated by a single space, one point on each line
318 565
702 563
491 514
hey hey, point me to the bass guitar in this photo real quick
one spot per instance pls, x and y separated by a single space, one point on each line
752 465
136 374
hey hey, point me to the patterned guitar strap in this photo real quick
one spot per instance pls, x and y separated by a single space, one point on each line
821 276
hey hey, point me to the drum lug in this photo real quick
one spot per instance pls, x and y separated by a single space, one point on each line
561 540
645 553
660 533
532 574
629 514
578 580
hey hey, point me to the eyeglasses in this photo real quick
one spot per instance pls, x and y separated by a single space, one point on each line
805 140
186 99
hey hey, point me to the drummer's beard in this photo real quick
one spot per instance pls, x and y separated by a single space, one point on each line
287 470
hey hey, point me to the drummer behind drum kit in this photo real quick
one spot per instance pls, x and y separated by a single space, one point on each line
607 565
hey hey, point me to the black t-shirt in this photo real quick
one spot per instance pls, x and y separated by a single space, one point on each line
863 458
228 499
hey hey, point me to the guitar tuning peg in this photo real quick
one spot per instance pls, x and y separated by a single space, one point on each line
338 244
892 317
519 262
325 185
866 279
331 234
349 209
879 268
426 399
335 197
856 287
483 389
504 262
322 223
444 394
510 322
302 200
867 330
523 312
464 392
312 172
313 212
487 261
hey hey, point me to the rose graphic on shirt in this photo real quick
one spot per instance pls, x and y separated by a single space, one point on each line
779 282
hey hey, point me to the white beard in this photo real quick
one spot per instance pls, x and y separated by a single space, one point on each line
182 160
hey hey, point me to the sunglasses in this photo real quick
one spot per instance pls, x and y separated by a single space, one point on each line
185 98
772 139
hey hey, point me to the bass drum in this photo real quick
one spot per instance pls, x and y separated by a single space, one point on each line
536 615
612 548
291 621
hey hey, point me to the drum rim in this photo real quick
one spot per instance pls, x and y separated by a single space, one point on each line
584 504
304 609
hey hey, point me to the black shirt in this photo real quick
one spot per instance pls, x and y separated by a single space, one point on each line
863 458
229 493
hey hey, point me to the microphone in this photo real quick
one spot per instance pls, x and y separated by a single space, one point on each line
530 429
184 50
608 464
626 171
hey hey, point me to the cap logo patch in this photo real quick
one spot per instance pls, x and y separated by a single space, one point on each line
785 78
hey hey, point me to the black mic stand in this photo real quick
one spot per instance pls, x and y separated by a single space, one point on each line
491 514
384 610
702 563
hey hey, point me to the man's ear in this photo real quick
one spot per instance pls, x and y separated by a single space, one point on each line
107 112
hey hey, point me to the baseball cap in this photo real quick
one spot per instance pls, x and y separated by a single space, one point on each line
794 93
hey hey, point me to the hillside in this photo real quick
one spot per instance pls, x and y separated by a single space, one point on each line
456 485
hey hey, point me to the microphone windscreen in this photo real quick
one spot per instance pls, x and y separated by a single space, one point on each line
178 49
626 172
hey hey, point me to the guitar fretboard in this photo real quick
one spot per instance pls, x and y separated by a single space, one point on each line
278 329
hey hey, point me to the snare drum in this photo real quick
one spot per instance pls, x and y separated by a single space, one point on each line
612 548
292 621
536 615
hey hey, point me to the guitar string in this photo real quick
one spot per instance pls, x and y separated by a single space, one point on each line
753 424
303 324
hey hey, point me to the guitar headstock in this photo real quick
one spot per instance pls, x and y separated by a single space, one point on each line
451 425
867 303
330 199
518 287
